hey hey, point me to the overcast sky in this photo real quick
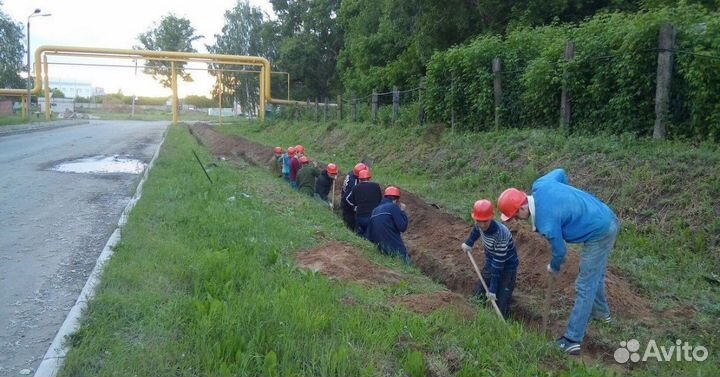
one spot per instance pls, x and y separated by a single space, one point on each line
116 24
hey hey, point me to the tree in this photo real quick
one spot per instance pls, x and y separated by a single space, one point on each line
200 102
172 34
11 52
245 33
311 41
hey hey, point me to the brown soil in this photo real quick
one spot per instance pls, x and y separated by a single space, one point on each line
429 302
344 262
434 238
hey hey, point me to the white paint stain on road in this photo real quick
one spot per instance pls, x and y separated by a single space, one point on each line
102 165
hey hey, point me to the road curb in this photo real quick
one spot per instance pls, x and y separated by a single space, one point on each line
55 355
34 127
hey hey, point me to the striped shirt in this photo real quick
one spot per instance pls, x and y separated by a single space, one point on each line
500 252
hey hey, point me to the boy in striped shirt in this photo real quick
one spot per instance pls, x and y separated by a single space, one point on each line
501 260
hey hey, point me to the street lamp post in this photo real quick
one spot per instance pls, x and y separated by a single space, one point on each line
35 13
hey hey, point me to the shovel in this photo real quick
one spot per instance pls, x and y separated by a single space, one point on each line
332 198
548 298
482 281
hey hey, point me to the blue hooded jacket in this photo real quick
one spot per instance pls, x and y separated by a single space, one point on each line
565 213
386 223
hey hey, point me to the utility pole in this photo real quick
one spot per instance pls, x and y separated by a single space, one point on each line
132 114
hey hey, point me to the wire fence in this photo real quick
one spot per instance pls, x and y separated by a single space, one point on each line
650 93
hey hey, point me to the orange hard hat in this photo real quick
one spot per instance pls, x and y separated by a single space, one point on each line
332 169
291 151
304 160
278 150
482 210
358 168
392 191
510 202
299 149
364 174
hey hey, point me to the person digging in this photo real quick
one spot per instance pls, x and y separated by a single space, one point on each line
295 165
306 176
364 197
325 182
286 158
501 259
387 222
348 211
563 213
276 162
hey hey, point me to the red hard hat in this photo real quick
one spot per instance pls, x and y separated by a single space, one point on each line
482 210
291 151
278 150
364 174
510 202
304 160
358 168
392 191
332 169
299 149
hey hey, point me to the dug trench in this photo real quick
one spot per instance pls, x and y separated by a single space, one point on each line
434 238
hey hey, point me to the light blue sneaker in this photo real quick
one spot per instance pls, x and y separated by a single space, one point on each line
568 346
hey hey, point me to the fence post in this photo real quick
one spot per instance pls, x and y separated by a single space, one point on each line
354 107
396 104
307 109
339 107
374 105
565 106
421 109
317 109
327 106
497 86
452 102
664 78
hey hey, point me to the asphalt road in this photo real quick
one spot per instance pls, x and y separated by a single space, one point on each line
53 225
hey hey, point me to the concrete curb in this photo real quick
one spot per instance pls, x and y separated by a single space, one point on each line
55 355
34 127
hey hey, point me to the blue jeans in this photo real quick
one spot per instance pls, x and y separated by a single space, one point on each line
504 290
286 177
294 184
590 298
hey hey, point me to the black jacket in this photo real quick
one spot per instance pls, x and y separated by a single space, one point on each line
365 196
323 185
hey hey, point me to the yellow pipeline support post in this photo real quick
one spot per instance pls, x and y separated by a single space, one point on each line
262 94
174 94
48 104
220 90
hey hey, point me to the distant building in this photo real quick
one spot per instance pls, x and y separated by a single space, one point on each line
74 88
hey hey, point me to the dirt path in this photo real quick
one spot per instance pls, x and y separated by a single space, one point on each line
434 237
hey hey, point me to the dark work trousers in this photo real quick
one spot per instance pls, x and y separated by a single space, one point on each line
362 224
348 215
504 290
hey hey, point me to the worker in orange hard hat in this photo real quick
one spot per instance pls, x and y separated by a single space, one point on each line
306 176
501 260
287 157
364 197
348 211
276 162
387 222
324 182
563 213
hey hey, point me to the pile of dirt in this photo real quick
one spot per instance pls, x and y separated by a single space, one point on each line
426 303
434 238
344 262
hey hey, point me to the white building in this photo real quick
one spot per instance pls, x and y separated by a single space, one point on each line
73 88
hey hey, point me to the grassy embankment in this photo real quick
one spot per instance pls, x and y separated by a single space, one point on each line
666 194
206 286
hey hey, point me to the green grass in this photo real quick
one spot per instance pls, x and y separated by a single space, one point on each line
666 194
16 119
205 286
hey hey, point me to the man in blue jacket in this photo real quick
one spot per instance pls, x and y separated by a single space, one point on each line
387 221
501 260
563 213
